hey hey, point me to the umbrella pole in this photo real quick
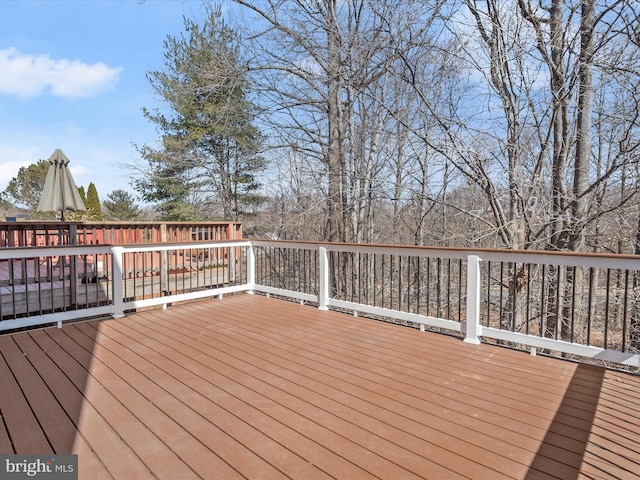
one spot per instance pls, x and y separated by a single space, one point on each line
73 267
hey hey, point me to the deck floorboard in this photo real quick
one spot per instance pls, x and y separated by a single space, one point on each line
253 387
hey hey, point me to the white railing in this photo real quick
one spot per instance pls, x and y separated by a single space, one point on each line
44 285
583 305
579 305
38 288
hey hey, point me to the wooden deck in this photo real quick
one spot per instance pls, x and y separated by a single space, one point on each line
252 387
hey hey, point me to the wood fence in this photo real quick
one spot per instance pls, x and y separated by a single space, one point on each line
40 234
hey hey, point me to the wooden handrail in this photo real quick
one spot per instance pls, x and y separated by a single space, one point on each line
47 233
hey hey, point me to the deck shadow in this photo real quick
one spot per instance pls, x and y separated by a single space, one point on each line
567 437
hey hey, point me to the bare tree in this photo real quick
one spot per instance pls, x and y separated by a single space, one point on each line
324 68
390 120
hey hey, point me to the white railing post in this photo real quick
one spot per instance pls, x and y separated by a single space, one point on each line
323 281
164 262
117 273
473 299
232 264
251 267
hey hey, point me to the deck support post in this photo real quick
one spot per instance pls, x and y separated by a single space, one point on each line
323 281
473 299
118 303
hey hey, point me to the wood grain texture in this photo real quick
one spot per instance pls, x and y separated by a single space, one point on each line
252 387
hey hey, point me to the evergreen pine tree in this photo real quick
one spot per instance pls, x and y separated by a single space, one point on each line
94 210
83 195
120 205
209 156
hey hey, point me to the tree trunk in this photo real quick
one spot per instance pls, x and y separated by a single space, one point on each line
335 225
634 327
579 209
583 125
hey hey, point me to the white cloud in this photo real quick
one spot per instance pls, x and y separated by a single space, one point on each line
78 170
28 75
9 170
13 157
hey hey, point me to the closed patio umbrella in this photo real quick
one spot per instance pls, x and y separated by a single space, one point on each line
59 192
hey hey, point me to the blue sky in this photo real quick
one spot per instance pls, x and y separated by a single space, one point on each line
72 76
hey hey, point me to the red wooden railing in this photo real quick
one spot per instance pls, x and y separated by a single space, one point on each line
48 233
35 233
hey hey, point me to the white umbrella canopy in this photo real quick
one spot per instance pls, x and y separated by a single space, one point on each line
59 192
